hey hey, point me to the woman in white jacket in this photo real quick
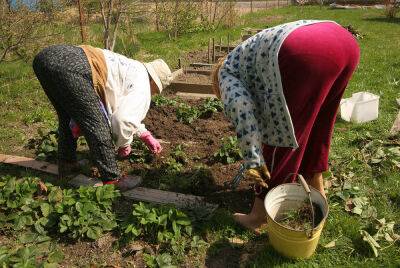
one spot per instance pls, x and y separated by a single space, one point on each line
103 95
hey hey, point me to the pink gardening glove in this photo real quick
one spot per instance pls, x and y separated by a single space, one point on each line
124 152
151 142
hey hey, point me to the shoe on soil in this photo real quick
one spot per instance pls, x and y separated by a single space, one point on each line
125 183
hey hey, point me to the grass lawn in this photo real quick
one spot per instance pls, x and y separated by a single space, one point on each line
365 162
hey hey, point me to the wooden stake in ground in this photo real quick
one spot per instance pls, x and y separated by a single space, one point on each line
213 50
82 22
208 52
229 43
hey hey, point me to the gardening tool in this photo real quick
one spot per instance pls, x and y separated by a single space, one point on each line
287 241
233 184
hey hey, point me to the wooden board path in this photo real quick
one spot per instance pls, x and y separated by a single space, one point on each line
137 194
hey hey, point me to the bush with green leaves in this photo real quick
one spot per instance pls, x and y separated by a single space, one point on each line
229 151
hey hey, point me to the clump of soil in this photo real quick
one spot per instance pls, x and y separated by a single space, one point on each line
301 219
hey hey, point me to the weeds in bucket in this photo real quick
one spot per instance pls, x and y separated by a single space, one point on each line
301 219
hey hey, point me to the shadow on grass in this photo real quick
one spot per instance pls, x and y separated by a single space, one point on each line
255 253
386 20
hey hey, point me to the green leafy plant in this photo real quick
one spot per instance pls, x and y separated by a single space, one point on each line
140 153
21 205
158 261
30 204
229 151
29 256
179 155
48 145
210 106
86 212
157 224
186 113
160 100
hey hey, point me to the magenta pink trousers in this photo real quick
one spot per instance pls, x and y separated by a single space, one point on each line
316 63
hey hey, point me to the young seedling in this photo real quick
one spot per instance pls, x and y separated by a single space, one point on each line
229 152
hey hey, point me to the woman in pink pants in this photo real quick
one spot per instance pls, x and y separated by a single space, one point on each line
281 90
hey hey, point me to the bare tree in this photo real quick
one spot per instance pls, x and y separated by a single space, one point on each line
112 13
22 30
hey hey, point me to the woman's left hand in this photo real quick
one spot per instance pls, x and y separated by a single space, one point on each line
124 152
153 144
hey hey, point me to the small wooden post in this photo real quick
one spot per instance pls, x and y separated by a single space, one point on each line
179 63
266 4
278 3
220 44
229 45
251 6
213 50
82 22
208 52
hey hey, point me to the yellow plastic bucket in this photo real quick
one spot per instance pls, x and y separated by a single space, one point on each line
289 242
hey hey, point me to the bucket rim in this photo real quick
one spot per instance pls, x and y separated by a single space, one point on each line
297 184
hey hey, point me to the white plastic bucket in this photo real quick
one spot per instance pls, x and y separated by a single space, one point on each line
289 242
360 107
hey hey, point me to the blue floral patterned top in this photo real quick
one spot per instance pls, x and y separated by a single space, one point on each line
251 90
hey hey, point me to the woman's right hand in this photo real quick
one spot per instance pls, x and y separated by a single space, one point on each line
259 175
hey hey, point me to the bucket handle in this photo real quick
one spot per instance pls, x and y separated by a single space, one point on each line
308 191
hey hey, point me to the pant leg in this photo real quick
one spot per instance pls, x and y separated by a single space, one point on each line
312 62
68 78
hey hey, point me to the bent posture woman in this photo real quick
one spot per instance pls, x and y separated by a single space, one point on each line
103 95
281 89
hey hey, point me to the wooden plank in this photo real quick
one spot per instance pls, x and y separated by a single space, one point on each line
29 163
201 64
197 71
138 193
194 95
164 197
192 88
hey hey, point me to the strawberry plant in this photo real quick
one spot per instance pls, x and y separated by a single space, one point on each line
21 205
210 106
157 224
29 256
48 145
186 113
179 155
229 151
140 153
86 212
160 100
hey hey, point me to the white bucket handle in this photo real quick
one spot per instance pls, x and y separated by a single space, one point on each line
306 187
308 191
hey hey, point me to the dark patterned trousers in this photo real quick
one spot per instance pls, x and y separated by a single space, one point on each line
65 75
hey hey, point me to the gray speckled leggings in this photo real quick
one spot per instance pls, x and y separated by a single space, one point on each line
65 75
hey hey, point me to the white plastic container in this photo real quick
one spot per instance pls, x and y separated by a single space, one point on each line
360 107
